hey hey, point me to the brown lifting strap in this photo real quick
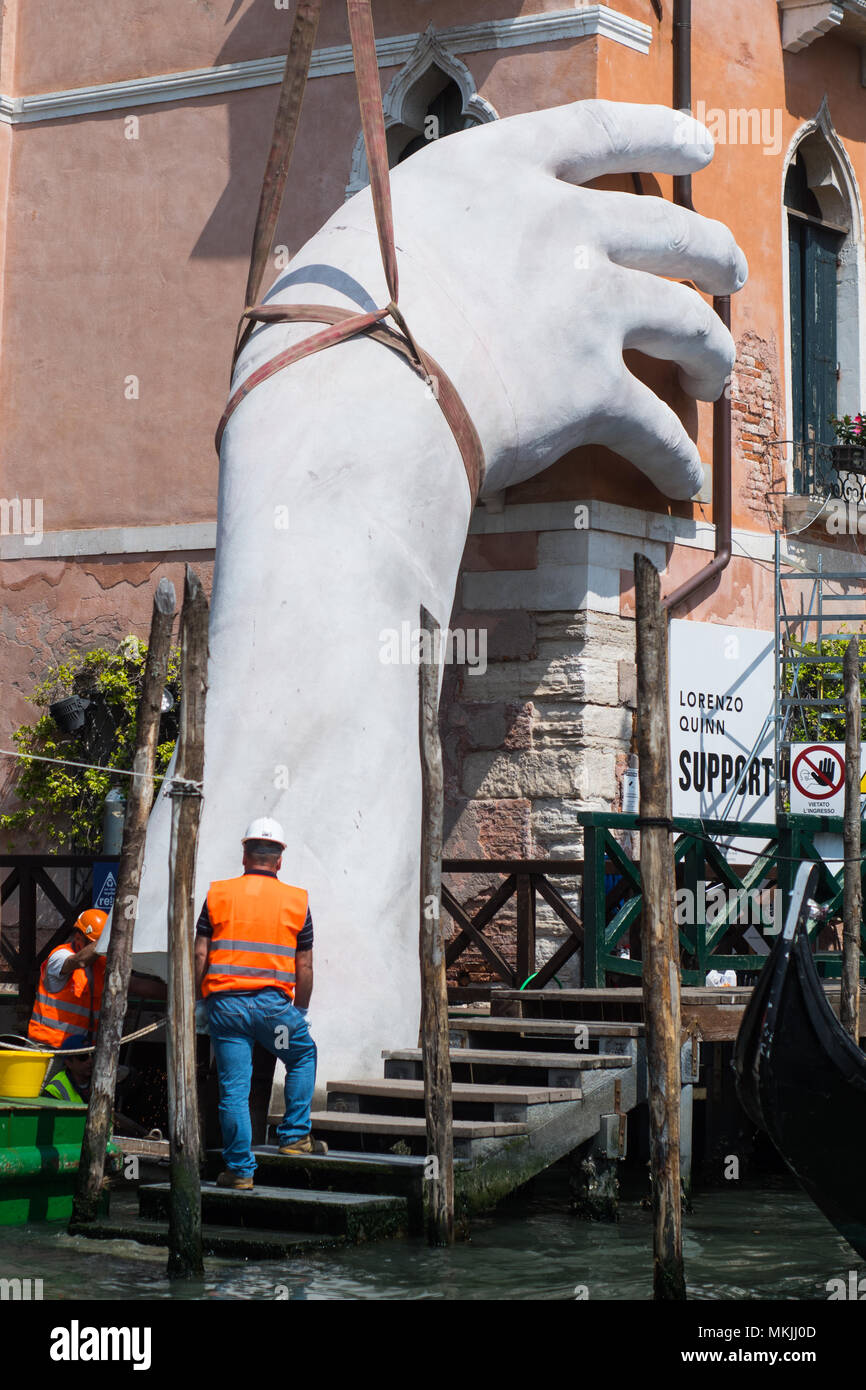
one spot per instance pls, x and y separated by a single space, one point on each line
342 323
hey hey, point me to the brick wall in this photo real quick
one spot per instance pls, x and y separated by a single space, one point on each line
757 415
545 730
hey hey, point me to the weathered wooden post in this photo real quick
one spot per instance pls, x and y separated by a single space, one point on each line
661 979
184 1220
118 963
439 1166
852 909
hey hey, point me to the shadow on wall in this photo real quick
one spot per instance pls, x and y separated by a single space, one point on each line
261 31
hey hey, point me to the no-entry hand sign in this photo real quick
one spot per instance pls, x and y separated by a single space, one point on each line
818 778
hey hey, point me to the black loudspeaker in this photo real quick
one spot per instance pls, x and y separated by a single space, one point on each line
69 714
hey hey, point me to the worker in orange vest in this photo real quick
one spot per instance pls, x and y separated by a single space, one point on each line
254 970
66 1011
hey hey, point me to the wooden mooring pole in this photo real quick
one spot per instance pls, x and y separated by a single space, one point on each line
439 1166
661 977
852 909
184 1219
118 962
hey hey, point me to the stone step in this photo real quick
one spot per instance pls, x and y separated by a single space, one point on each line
234 1242
360 1121
341 1170
472 1101
582 1006
354 1215
402 1134
620 1005
553 1069
479 1056
700 994
560 1032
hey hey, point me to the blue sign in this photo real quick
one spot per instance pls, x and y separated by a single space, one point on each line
105 883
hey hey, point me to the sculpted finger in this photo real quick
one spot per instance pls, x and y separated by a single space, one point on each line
648 433
672 322
648 233
586 139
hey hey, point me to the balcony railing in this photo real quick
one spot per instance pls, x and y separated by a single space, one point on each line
826 470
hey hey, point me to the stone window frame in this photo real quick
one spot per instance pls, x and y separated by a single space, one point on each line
400 117
835 186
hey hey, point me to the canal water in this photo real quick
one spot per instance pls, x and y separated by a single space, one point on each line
766 1243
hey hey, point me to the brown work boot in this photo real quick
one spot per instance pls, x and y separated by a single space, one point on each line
306 1145
241 1182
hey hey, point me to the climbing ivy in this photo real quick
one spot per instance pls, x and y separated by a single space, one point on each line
821 680
63 805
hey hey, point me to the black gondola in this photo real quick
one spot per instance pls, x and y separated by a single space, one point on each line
800 1077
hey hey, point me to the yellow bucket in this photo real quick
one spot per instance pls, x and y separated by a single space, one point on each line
22 1073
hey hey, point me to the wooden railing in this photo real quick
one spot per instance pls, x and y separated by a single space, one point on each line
611 899
773 864
21 878
524 878
609 908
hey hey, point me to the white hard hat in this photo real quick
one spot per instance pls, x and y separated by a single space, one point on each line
265 829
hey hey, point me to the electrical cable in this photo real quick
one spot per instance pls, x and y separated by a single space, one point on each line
532 977
68 762
32 1046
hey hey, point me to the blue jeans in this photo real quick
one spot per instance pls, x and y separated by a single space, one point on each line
236 1022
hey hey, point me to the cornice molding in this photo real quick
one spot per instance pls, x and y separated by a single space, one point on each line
804 21
111 540
520 31
533 516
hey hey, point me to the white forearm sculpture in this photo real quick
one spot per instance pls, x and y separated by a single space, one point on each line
344 504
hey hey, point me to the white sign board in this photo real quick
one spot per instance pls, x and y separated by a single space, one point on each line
722 691
818 778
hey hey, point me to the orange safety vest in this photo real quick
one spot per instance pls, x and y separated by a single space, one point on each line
256 921
75 1009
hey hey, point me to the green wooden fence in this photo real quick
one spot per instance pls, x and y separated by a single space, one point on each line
609 915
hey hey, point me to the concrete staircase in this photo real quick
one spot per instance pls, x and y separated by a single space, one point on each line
523 1095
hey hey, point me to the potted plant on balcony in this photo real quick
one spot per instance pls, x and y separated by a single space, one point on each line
849 451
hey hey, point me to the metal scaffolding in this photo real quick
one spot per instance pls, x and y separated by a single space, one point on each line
810 613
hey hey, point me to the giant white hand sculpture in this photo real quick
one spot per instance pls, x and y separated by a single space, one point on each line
526 287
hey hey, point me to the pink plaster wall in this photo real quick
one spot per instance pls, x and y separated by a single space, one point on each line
128 257
84 43
8 30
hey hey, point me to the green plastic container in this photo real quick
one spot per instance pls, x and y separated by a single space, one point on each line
40 1149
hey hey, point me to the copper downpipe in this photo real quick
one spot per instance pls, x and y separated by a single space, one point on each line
722 444
683 86
721 485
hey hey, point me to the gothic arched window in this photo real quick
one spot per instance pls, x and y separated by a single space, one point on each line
824 293
433 95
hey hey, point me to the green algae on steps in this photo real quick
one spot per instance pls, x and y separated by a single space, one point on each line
356 1215
225 1241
